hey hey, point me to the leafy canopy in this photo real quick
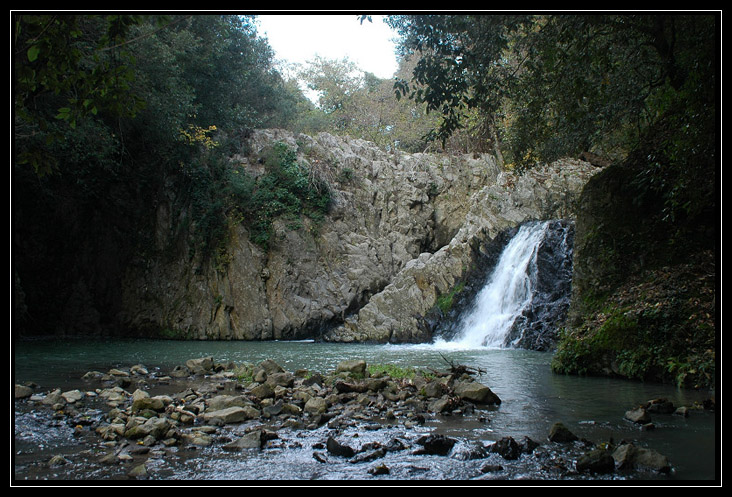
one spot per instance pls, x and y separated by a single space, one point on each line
558 85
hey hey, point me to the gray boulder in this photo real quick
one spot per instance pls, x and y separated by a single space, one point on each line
201 365
475 392
229 415
629 456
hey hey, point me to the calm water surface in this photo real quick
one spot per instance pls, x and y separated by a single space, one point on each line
532 397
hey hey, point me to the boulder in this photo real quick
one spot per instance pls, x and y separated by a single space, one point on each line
156 427
507 447
141 401
201 365
438 445
599 461
53 397
251 440
638 415
660 406
338 449
229 415
22 391
475 392
629 456
355 367
223 401
316 405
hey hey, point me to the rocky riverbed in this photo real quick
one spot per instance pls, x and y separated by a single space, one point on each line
206 420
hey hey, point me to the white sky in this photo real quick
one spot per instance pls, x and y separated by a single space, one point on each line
299 38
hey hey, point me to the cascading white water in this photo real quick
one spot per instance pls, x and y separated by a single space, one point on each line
506 294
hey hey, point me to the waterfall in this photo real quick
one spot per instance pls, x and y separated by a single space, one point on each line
512 297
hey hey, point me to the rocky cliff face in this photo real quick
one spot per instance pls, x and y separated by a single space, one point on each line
403 230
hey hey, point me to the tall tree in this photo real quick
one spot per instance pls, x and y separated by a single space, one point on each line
559 84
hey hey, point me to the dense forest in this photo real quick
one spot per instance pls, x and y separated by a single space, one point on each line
112 112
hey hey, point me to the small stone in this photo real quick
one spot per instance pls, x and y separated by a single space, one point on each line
139 471
380 469
638 415
22 391
58 461
560 433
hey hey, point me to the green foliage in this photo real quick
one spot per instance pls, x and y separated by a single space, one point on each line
445 301
557 85
392 371
659 328
285 190
100 102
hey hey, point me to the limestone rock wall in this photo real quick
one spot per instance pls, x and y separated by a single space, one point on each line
403 228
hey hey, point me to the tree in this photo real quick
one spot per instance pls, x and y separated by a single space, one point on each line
67 67
556 85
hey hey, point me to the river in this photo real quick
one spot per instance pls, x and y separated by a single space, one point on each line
533 398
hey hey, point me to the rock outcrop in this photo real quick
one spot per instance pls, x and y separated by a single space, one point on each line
402 230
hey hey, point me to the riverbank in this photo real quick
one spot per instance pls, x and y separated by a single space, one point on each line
205 420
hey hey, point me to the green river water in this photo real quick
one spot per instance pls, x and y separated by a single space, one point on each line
533 398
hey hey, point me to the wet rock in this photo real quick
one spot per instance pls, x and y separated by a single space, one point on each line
118 373
111 431
507 447
53 398
22 391
270 366
224 401
114 396
139 471
155 427
441 405
201 365
368 456
73 396
197 438
439 445
379 469
434 389
180 372
528 445
682 411
141 401
629 456
262 391
92 375
475 392
491 468
599 461
252 440
638 415
470 452
355 367
660 406
560 433
234 414
58 460
139 369
350 387
316 405
284 379
338 449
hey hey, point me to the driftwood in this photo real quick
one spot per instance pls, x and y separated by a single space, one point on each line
457 370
